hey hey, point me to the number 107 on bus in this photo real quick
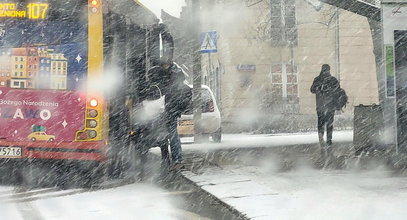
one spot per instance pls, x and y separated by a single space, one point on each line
37 10
33 11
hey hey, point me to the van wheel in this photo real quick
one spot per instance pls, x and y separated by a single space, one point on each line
217 136
33 139
51 140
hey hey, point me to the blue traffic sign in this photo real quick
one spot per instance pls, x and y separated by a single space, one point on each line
209 42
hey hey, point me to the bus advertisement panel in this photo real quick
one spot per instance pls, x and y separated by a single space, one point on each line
34 115
43 71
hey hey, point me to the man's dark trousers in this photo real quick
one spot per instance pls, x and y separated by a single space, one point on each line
326 118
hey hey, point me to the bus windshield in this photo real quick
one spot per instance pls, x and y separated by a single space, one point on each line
43 45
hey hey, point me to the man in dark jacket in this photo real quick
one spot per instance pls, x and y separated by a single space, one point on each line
324 86
170 79
174 99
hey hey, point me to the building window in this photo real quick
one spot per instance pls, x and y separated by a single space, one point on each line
21 59
21 73
21 66
8 74
16 83
15 73
16 66
16 58
283 23
284 80
282 95
3 83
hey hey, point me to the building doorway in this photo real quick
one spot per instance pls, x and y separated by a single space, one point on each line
400 49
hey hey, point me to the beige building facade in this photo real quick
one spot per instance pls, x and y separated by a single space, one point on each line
5 66
266 69
59 70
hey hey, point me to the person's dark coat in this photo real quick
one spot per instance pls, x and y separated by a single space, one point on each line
171 84
177 95
157 77
324 86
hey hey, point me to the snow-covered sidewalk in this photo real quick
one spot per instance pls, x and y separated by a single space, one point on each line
263 192
263 140
304 194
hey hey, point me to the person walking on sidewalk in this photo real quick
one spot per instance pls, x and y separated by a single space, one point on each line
324 87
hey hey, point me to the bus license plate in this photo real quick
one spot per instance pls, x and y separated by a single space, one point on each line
10 152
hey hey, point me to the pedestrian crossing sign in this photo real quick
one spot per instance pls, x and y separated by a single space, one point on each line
209 42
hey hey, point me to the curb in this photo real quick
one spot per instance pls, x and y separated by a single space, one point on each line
211 197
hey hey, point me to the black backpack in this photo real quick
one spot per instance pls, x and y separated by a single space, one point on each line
185 98
341 99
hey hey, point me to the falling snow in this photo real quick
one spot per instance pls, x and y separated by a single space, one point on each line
93 98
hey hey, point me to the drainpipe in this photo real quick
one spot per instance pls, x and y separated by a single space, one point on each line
337 52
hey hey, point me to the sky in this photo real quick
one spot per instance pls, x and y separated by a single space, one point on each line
173 7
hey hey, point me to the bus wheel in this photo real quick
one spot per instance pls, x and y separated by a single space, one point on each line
94 175
114 167
139 162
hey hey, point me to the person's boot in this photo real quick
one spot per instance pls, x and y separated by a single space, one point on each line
329 142
321 139
178 166
329 147
321 144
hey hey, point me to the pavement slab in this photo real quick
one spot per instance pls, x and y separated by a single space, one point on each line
259 191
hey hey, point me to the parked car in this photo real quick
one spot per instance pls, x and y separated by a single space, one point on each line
211 119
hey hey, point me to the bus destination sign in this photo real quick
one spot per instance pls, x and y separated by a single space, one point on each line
31 11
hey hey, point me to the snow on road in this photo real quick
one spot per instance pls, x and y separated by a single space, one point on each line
136 201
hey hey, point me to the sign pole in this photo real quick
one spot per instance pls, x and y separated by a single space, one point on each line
210 70
197 77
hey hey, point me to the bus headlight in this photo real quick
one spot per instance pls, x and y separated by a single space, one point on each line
94 5
93 102
92 134
92 113
92 123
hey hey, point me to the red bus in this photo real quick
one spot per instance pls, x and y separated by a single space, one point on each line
66 70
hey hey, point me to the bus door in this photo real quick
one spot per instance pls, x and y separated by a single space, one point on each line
400 45
146 46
